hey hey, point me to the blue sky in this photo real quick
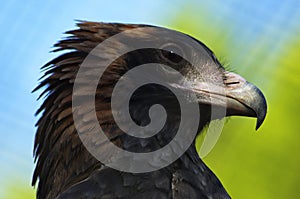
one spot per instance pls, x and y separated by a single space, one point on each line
29 30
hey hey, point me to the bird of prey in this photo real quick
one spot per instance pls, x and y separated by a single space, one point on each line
64 166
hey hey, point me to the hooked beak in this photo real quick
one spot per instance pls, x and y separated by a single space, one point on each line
244 99
236 95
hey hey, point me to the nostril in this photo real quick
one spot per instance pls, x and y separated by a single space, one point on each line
232 79
230 83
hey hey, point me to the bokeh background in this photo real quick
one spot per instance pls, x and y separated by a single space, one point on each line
259 39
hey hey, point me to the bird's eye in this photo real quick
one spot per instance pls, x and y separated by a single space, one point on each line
172 53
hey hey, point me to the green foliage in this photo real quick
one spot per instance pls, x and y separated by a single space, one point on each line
18 190
251 164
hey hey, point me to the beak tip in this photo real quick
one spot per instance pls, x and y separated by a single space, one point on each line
260 106
261 116
258 124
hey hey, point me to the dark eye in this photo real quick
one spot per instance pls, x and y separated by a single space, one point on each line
172 53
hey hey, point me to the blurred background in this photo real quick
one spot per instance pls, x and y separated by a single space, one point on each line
259 39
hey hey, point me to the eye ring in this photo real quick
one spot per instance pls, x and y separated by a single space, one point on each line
172 53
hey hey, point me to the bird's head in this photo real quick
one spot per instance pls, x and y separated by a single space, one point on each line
151 87
165 61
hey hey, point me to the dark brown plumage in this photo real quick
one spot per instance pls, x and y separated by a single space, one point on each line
65 169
